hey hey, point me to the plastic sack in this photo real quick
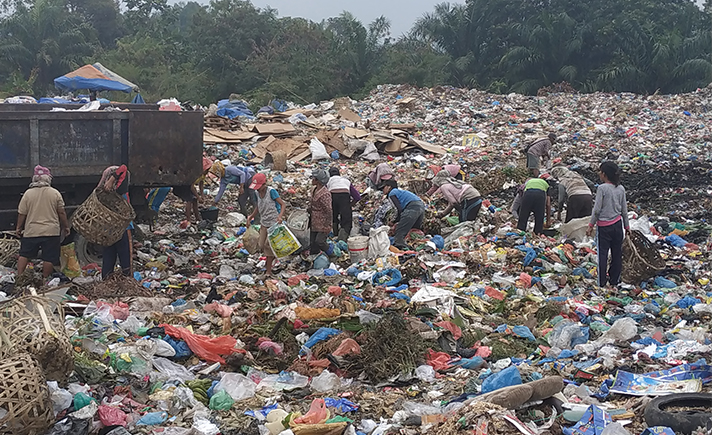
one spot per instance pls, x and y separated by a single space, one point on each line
238 386
506 378
378 242
251 240
318 150
382 278
180 348
221 401
70 263
206 348
111 416
282 241
318 413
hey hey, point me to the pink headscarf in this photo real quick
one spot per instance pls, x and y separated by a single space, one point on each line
41 170
207 163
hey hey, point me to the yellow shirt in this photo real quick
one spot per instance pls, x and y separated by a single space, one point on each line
40 205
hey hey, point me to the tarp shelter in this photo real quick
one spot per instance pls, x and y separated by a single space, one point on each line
94 78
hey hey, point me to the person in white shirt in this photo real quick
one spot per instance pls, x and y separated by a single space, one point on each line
343 197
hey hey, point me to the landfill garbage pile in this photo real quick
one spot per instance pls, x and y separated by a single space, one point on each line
479 328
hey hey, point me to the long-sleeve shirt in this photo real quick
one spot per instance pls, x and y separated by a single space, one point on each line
339 184
453 195
540 147
571 185
610 206
320 207
401 198
234 175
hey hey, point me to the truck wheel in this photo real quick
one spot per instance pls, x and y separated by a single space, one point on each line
685 420
87 253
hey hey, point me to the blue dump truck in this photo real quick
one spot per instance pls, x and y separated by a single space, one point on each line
160 148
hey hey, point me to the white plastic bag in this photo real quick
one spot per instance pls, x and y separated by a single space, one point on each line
238 386
378 244
318 150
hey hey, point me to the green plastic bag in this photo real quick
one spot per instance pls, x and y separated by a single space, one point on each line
81 400
221 401
452 220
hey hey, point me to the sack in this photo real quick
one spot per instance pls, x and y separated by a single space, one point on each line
379 244
69 261
282 241
251 240
318 150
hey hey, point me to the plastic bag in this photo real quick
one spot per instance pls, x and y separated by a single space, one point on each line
387 278
171 370
71 426
326 382
70 263
221 401
119 310
318 150
318 413
347 347
81 400
152 419
61 398
205 347
180 348
320 335
378 243
238 386
425 373
111 416
282 240
251 240
506 378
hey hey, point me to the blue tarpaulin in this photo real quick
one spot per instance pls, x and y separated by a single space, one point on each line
94 78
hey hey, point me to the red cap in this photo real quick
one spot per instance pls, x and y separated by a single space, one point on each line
258 181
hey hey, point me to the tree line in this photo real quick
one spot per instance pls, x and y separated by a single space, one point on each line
205 52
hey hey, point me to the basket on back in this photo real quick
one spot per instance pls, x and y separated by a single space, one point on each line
24 397
641 259
35 325
103 217
9 248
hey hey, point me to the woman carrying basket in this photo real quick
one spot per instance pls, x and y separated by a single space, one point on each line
116 179
610 217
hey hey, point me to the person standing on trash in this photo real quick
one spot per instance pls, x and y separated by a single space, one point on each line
344 197
454 171
241 176
116 179
461 196
538 151
536 201
320 213
382 172
270 208
41 222
575 192
410 209
191 194
610 218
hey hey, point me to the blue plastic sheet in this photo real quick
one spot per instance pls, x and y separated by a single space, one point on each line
473 363
676 240
180 346
320 335
506 378
342 405
394 275
664 282
261 412
232 110
687 302
593 422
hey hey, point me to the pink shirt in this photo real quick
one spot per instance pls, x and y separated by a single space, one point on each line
453 195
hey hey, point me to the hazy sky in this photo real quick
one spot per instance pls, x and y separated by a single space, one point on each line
401 13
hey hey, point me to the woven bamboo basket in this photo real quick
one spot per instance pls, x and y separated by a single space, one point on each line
641 259
278 160
35 325
103 217
25 397
9 248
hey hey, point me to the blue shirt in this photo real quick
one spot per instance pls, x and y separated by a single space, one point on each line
403 196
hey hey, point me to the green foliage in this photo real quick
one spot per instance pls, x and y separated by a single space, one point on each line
205 52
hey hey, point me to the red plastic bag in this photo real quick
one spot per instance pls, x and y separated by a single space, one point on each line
438 360
119 310
207 348
111 416
453 328
347 347
318 413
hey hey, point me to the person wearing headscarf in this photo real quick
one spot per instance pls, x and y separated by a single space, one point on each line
410 209
343 197
191 194
41 222
459 195
538 151
454 171
574 191
320 212
116 179
241 176
380 174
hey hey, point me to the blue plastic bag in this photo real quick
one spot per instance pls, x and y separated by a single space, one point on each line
153 419
506 378
342 405
664 282
676 240
473 363
320 335
180 346
687 302
394 275
438 241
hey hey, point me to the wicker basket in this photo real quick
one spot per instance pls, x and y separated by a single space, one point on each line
103 217
35 325
25 397
9 248
278 160
641 259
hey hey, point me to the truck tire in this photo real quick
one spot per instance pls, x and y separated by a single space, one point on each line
87 253
685 421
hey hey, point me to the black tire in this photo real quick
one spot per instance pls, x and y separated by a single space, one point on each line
684 422
87 253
